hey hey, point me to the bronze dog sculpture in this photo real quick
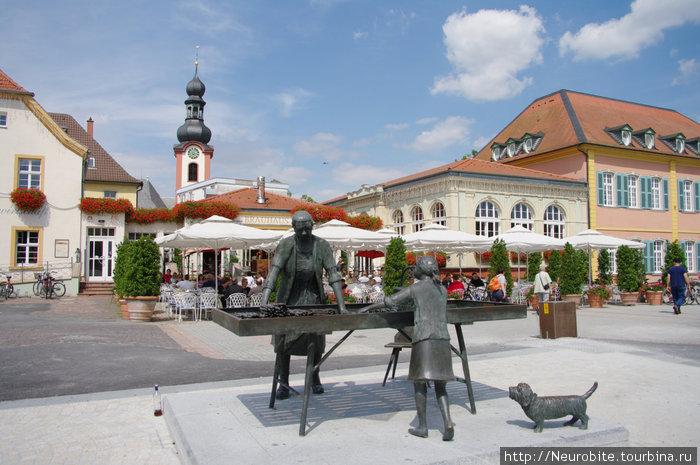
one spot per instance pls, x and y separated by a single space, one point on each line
540 409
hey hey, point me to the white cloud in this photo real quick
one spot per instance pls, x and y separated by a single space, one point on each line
428 120
353 176
396 126
480 142
623 38
453 130
687 70
291 100
357 35
324 144
488 49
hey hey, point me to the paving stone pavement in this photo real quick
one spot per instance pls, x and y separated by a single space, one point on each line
119 427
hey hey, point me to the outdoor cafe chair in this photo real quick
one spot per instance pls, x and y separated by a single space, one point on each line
256 299
236 300
186 301
207 302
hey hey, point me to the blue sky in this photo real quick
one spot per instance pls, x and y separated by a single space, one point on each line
327 95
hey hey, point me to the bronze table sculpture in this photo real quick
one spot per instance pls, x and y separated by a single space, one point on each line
299 261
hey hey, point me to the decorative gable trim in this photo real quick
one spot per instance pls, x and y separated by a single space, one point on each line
51 125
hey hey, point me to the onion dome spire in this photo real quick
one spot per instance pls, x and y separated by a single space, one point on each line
194 128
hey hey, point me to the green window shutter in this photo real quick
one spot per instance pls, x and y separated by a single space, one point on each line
697 198
681 197
645 191
665 193
625 190
620 199
649 256
697 257
599 179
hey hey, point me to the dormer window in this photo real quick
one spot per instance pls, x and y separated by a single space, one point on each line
649 141
644 137
693 145
91 163
675 142
680 145
527 145
496 152
621 134
626 136
511 149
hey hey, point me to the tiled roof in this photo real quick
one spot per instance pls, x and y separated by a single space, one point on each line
106 168
246 200
472 166
7 84
568 118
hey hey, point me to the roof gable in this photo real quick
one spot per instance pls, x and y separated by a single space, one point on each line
8 85
106 168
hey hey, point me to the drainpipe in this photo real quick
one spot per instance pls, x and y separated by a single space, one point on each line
588 197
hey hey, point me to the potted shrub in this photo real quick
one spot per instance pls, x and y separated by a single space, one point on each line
597 295
630 274
653 293
137 276
605 276
571 278
532 298
499 259
395 266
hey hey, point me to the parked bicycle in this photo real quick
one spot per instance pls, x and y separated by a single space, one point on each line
692 294
51 287
7 290
475 293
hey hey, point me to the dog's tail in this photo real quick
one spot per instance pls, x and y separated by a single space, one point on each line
591 390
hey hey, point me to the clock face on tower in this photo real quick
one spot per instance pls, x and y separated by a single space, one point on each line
193 152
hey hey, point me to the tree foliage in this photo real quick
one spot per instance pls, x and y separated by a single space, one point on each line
630 269
499 259
572 275
673 251
137 268
554 265
605 276
395 265
533 265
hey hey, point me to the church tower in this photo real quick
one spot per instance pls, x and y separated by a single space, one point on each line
193 154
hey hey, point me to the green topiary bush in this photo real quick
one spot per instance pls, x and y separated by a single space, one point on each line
499 259
137 268
605 276
533 265
673 251
395 265
554 265
630 269
572 277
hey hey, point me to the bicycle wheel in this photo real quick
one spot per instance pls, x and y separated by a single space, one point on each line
36 287
10 291
46 291
59 289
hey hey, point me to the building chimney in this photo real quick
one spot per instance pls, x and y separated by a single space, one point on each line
90 123
261 190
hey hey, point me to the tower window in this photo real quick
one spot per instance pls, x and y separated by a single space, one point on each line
192 172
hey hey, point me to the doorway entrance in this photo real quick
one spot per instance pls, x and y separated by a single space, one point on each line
100 254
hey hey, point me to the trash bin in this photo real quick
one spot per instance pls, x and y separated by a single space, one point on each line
557 319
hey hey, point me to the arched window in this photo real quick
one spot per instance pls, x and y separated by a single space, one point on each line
192 172
416 219
487 222
437 211
398 225
521 215
554 222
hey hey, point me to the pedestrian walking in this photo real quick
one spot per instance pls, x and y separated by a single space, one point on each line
678 282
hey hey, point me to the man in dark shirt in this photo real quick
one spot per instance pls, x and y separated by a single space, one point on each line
678 281
476 280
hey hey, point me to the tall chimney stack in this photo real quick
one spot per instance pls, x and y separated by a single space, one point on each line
261 190
90 123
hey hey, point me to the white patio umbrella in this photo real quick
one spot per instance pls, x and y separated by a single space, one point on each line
438 237
591 239
520 239
217 232
340 235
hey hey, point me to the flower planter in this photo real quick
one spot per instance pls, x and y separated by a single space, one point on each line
595 301
575 298
629 298
654 297
141 308
534 302
125 309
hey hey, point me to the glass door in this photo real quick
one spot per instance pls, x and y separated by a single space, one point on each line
100 259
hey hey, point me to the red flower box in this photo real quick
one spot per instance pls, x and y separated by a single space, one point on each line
28 200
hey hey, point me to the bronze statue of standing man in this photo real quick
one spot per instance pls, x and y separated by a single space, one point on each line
299 261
